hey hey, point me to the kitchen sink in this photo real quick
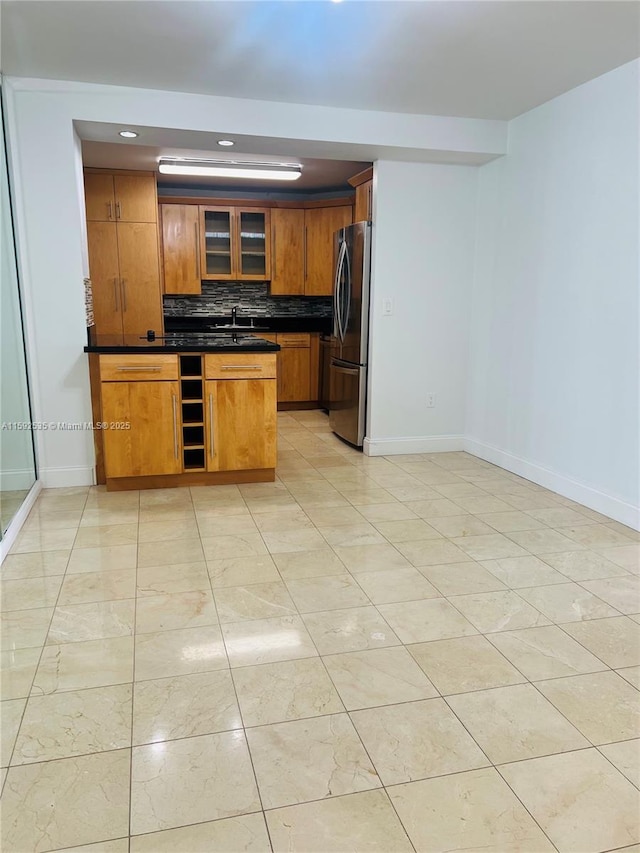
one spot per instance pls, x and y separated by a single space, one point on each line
236 327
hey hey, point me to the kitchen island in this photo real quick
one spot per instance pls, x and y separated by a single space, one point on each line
183 410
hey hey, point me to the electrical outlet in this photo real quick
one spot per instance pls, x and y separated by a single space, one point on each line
387 307
431 400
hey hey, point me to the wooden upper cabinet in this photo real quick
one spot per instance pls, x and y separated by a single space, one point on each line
135 198
235 243
321 223
181 248
99 197
287 252
120 198
364 202
140 277
253 244
104 265
217 243
152 443
124 261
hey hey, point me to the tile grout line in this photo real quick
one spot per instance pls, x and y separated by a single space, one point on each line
42 650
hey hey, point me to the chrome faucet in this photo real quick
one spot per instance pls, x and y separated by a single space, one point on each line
234 315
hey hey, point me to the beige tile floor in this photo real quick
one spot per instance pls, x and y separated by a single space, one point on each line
420 653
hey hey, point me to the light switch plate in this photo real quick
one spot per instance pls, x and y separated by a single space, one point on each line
387 307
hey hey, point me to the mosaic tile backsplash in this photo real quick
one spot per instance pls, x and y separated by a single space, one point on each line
219 297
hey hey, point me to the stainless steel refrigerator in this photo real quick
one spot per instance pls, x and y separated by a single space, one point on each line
350 341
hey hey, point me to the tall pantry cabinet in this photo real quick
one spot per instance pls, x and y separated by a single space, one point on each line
124 262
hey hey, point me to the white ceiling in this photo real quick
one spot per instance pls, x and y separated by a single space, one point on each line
478 58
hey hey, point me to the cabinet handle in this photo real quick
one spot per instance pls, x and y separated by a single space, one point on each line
306 232
110 206
197 230
115 293
211 443
124 294
273 250
241 367
118 210
141 369
174 402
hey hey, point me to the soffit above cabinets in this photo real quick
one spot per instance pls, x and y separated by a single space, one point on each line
317 174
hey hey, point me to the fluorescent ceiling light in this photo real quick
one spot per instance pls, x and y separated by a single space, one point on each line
230 169
128 134
226 142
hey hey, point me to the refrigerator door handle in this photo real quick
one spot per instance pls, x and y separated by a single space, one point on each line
347 280
339 286
336 284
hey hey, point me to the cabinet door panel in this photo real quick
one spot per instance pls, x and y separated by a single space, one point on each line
139 272
152 444
135 198
321 223
364 197
217 243
99 198
287 255
254 245
294 375
241 424
180 248
102 243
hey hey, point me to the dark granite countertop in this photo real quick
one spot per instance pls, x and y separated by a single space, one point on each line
180 342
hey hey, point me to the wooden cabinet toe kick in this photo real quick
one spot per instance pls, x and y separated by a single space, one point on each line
196 478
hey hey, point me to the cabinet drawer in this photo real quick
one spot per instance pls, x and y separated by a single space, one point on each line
301 340
244 365
124 368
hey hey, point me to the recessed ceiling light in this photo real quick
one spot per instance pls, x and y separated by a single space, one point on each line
128 134
230 169
226 142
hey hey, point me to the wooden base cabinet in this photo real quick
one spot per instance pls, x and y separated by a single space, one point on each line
185 419
151 445
298 368
241 424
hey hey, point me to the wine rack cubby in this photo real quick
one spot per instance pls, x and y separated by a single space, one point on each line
192 405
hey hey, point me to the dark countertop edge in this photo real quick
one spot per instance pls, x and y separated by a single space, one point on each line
123 349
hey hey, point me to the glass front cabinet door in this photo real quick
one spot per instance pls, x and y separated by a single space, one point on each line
236 244
218 243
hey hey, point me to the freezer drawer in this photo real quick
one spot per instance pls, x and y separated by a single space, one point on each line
347 404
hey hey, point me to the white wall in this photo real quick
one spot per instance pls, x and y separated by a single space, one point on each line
423 252
50 213
554 346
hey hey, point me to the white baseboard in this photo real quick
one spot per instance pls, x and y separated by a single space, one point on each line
599 501
18 520
56 478
419 444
